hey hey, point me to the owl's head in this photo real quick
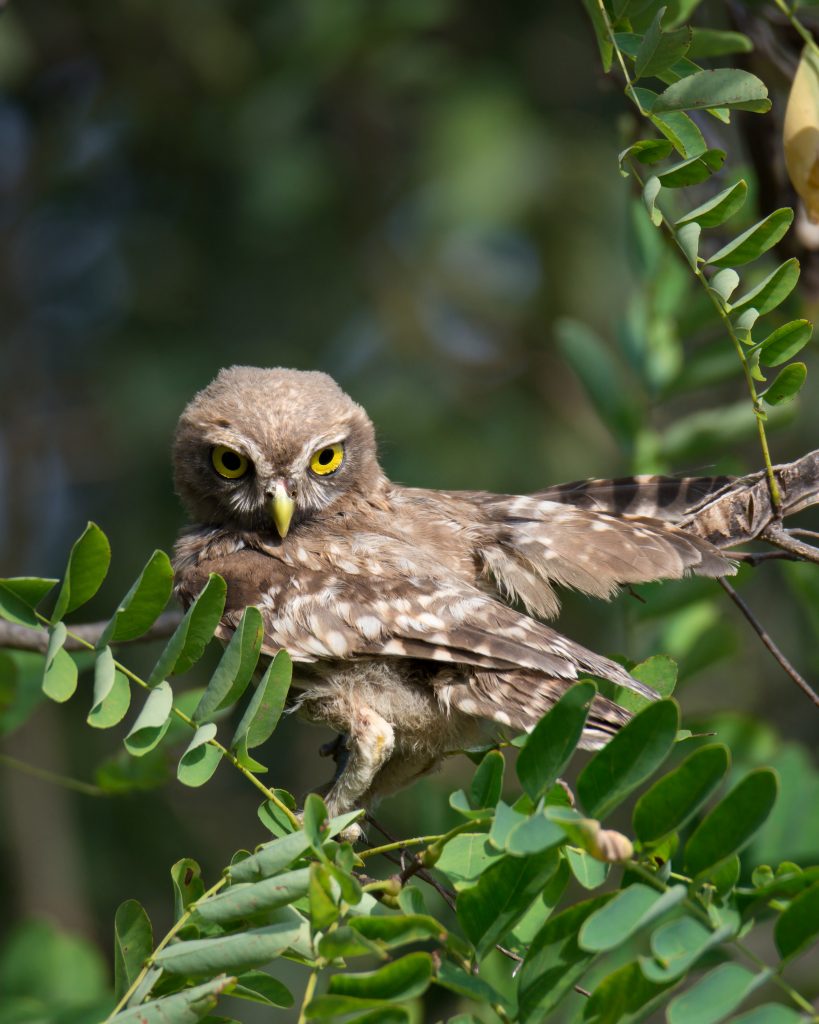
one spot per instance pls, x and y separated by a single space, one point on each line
261 449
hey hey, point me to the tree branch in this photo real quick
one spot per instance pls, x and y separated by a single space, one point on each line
24 638
764 636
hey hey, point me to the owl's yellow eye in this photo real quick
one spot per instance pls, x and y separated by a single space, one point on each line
228 463
327 460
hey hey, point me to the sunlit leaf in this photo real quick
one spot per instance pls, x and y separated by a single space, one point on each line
717 210
714 996
201 758
143 604
785 342
758 239
60 669
630 910
235 668
721 87
787 384
152 722
87 568
112 693
193 633
768 294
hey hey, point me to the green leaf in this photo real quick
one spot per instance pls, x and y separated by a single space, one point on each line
785 342
769 1013
533 835
720 208
87 568
487 782
60 670
275 856
152 722
193 633
724 283
323 908
647 151
238 952
405 978
112 693
798 925
632 756
488 910
630 910
397 930
456 980
658 49
20 595
554 962
589 872
259 987
715 995
331 1007
721 87
651 190
601 33
185 1007
714 42
692 171
465 857
316 821
188 887
680 131
552 742
787 384
201 758
143 603
768 294
676 797
623 996
688 238
133 944
266 705
733 822
235 668
248 899
758 239
677 945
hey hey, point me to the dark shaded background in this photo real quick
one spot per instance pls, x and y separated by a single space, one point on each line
408 195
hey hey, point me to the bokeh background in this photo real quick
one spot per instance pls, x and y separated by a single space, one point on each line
421 198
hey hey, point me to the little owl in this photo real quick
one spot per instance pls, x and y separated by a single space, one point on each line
413 616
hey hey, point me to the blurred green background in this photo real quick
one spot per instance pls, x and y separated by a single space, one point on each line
419 197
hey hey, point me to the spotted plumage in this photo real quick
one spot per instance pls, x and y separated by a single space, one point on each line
414 616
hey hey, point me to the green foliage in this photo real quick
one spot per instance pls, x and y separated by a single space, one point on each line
306 896
657 908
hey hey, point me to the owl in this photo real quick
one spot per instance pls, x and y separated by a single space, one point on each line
415 618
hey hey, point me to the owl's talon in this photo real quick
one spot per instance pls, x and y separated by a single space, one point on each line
352 834
333 748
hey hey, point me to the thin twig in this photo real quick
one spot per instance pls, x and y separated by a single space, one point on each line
25 638
781 538
44 775
766 639
755 558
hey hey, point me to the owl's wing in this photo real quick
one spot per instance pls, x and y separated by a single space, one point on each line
347 608
535 543
670 498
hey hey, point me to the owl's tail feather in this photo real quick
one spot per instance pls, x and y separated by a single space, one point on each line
519 699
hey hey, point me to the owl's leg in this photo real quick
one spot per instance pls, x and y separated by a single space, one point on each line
370 741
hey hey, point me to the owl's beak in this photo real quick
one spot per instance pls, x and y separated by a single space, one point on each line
281 507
